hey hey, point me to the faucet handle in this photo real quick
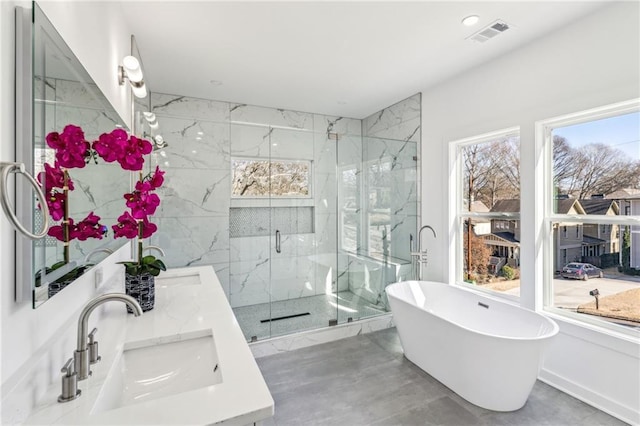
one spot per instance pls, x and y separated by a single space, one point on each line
70 389
93 348
68 369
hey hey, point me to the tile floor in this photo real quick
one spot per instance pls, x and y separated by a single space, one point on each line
322 308
365 380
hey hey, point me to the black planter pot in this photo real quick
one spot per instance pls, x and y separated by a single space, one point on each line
55 287
142 288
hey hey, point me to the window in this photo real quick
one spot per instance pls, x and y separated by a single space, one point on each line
261 178
592 182
487 188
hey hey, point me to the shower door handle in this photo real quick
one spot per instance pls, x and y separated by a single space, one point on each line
277 241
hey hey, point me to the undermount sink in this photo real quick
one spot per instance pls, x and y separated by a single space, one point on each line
154 370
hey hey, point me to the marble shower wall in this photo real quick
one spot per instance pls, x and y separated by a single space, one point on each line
392 138
193 218
390 207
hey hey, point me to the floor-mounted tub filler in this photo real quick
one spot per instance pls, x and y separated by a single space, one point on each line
487 351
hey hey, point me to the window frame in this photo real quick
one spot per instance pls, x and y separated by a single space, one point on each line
545 269
270 195
457 215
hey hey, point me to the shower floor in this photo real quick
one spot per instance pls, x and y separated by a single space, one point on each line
321 308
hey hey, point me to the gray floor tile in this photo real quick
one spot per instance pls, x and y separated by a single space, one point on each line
365 380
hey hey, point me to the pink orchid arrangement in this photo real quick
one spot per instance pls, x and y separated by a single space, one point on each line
72 150
135 223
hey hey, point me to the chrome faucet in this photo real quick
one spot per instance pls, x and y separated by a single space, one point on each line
81 354
420 236
103 250
154 248
421 254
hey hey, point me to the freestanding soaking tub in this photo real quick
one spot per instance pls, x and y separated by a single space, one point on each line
487 351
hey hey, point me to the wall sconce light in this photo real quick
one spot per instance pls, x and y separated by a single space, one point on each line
159 142
151 119
130 70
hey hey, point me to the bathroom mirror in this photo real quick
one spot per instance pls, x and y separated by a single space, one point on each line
63 93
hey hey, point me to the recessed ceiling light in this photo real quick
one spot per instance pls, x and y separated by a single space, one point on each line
200 133
198 138
215 82
470 20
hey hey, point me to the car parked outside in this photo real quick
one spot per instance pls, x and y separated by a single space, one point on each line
581 271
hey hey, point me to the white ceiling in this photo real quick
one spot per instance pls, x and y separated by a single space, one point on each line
338 58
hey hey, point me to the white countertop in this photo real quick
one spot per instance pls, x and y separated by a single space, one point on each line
181 310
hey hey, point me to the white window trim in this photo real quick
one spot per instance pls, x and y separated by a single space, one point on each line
546 217
455 206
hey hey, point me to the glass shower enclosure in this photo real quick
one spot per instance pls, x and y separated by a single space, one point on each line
319 224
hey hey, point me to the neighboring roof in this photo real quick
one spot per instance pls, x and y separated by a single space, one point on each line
506 206
565 205
586 239
599 206
623 194
479 206
507 236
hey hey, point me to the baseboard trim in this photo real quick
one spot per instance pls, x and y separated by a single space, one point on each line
595 399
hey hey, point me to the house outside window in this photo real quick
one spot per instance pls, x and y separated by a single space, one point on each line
592 163
487 188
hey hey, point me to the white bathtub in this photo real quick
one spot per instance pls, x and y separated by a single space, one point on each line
485 350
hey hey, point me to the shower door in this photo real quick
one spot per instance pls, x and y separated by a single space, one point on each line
302 258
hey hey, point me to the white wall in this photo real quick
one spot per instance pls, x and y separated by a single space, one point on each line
593 62
25 333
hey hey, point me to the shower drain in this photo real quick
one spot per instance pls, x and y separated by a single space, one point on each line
284 317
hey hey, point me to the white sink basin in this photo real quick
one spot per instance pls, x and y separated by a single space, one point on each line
149 371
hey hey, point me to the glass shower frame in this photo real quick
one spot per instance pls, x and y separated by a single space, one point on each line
349 279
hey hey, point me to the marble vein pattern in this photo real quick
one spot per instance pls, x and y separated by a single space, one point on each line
400 121
188 107
249 114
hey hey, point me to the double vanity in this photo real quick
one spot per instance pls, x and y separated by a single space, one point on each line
184 362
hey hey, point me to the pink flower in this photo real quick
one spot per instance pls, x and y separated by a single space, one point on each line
158 178
57 231
71 147
126 227
111 146
89 227
148 228
143 186
54 177
142 204
143 146
56 202
55 141
131 161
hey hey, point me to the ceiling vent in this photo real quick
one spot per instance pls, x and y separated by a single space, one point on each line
489 32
